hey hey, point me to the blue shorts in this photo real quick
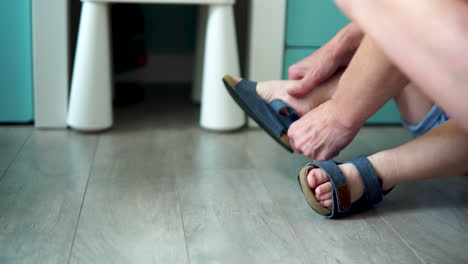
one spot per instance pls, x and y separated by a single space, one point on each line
434 118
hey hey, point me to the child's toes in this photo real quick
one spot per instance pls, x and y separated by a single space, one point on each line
315 177
326 196
326 203
323 189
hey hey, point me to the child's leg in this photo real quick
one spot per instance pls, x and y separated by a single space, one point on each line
441 152
419 114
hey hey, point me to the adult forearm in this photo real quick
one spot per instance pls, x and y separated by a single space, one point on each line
433 52
346 42
369 82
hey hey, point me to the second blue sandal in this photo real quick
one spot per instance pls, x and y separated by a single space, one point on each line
341 198
274 117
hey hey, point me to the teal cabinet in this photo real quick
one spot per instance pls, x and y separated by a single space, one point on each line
293 55
16 76
309 25
312 22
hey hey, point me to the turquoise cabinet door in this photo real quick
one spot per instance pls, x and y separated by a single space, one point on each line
387 115
293 55
16 77
312 22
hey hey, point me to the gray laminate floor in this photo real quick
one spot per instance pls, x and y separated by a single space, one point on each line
158 189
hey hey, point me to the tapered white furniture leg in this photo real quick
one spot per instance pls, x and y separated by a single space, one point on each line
90 107
218 109
199 54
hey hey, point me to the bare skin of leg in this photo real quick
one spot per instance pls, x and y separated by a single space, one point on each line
413 106
437 62
360 91
271 90
441 152
370 81
412 103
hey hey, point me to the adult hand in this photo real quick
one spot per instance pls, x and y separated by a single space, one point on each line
324 62
320 134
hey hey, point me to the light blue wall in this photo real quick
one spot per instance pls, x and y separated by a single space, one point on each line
16 77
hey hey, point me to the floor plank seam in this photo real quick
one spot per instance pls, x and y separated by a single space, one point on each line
295 237
402 239
83 200
280 211
16 157
183 224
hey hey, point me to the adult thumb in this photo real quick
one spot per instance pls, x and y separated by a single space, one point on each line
298 90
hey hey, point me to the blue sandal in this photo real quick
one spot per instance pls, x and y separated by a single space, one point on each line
275 117
341 198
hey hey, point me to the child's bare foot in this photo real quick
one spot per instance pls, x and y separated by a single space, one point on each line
272 90
318 181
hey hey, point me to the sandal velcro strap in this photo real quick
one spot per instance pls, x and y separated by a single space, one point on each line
372 183
341 196
258 108
275 117
286 114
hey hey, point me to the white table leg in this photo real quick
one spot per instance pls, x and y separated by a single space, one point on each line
218 109
90 106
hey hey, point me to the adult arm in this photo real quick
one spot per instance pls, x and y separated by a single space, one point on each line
367 84
323 63
427 40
